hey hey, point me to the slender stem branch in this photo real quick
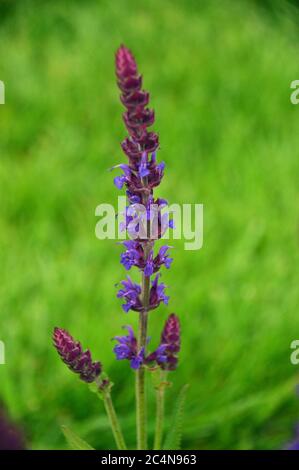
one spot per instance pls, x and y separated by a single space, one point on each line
160 405
115 426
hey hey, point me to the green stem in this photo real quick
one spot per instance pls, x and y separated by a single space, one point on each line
141 417
140 373
160 405
115 426
141 421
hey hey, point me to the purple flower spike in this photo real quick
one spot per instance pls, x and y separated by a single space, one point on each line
74 357
142 174
127 349
170 338
141 144
137 117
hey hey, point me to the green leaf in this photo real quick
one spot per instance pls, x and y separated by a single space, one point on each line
173 439
74 441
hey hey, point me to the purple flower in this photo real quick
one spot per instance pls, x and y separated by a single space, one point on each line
74 357
157 294
135 256
143 166
127 349
119 181
11 436
159 355
131 294
170 338
163 258
294 445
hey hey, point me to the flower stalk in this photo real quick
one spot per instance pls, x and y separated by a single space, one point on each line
141 421
114 423
160 407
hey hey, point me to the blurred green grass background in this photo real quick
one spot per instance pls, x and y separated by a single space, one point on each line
219 75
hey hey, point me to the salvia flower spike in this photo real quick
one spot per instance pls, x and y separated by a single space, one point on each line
170 339
80 362
74 357
140 175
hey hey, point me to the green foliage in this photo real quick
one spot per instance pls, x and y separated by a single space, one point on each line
174 436
75 442
219 76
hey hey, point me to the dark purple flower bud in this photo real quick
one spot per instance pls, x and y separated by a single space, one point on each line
127 349
135 99
138 119
171 338
125 63
130 84
74 357
150 143
132 149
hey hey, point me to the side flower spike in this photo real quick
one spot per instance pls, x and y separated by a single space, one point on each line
171 340
74 357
